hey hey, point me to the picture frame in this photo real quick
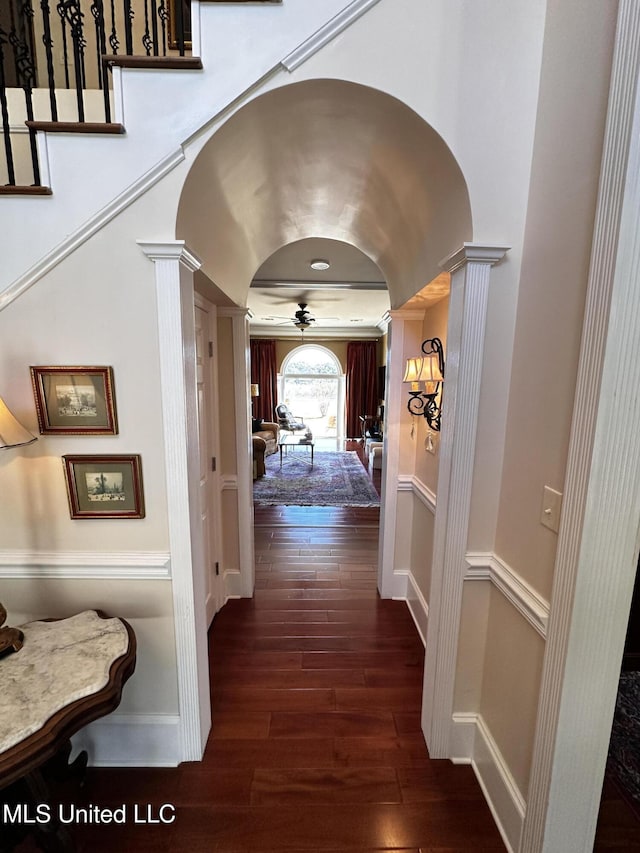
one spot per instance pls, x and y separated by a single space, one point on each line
75 400
173 23
173 20
104 486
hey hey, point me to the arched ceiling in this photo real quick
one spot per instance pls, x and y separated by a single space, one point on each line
329 159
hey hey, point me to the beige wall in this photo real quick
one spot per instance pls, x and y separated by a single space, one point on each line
510 685
146 605
421 546
551 294
90 312
553 281
434 326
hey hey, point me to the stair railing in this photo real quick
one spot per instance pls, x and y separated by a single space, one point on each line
69 44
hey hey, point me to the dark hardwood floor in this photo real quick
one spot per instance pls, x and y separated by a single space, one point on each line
316 743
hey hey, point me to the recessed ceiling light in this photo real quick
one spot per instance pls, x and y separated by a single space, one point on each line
319 264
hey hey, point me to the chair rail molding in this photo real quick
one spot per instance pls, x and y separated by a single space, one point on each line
531 605
470 269
325 34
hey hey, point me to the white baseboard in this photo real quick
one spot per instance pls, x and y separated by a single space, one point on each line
232 584
472 743
131 740
418 607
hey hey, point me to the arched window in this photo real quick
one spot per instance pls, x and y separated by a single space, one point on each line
312 386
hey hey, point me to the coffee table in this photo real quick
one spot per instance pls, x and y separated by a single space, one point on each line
292 440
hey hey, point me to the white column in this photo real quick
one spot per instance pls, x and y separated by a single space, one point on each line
396 403
174 268
470 269
597 543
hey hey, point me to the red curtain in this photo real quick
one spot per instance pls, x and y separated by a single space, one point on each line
264 373
362 381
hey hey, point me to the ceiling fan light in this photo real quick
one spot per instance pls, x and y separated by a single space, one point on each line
319 264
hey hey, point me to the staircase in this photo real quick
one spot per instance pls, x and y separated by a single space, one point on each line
135 83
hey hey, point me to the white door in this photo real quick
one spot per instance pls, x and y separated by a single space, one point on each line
209 515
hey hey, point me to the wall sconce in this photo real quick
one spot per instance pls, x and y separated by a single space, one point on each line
429 369
12 434
255 391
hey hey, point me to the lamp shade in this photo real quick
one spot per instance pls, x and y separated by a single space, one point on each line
430 369
12 433
413 369
255 391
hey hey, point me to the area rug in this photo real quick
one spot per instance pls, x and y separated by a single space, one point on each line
624 749
336 479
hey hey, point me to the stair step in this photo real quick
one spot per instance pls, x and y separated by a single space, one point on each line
12 189
76 126
189 63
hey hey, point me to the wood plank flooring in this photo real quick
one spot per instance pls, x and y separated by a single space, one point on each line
316 741
316 744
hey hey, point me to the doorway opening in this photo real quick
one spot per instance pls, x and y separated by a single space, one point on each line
311 385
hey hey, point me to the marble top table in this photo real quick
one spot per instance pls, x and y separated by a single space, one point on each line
68 673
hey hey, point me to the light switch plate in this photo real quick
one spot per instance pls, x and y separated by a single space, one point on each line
551 506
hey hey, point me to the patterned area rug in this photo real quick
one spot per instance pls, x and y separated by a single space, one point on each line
336 479
624 748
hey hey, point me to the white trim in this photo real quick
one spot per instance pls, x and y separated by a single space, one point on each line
598 536
176 324
470 736
418 607
232 584
470 276
91 227
411 483
326 33
531 605
228 483
244 454
131 740
125 565
391 451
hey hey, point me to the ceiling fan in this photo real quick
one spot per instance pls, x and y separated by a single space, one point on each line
302 319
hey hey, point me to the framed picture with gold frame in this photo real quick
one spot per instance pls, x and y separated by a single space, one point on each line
175 22
75 400
180 14
104 486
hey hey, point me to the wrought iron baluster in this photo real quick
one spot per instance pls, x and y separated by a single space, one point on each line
47 41
180 26
154 26
163 14
97 10
65 47
19 39
6 128
113 37
128 27
70 11
146 38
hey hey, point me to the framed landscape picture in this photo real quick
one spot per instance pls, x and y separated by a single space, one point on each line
104 486
75 400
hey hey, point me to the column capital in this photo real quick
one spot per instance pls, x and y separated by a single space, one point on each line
480 253
170 250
